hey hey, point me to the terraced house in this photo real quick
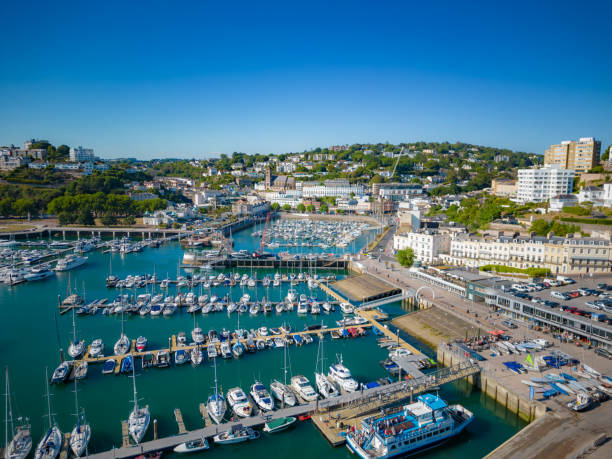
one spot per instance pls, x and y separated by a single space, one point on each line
562 255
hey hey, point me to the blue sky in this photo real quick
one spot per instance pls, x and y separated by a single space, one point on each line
160 78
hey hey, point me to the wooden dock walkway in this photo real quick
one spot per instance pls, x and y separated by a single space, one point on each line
348 406
174 346
179 420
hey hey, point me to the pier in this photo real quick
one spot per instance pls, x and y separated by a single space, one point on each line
326 414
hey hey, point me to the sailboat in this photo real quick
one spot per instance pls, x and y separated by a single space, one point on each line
216 405
51 442
79 438
280 390
324 386
21 439
76 348
139 419
122 346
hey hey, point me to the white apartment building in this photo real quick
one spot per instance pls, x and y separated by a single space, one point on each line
80 154
291 197
539 185
426 245
286 167
340 188
562 255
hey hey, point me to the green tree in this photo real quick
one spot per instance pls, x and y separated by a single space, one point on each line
324 208
129 220
85 217
275 206
301 207
109 220
405 257
65 218
606 154
310 208
286 207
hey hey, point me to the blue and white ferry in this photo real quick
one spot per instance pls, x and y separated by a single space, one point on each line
409 429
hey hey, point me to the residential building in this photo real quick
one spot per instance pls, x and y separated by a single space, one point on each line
323 157
581 155
427 245
252 205
286 167
562 255
339 188
563 200
499 158
396 191
79 154
338 148
144 196
503 187
11 160
541 184
291 197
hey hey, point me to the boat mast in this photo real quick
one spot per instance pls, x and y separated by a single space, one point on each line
73 327
48 396
216 390
8 415
134 384
76 404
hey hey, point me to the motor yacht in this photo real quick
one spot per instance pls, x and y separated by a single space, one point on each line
342 376
303 388
261 396
239 402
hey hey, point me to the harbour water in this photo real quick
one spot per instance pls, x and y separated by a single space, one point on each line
29 343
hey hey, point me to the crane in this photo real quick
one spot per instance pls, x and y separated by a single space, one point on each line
397 162
263 235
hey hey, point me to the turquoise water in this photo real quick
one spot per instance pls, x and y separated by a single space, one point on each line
28 344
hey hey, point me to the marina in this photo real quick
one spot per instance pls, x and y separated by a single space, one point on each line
195 381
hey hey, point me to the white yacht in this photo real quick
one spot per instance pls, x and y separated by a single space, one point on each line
216 405
51 443
324 386
282 393
20 442
303 388
347 308
79 438
197 335
38 274
261 396
342 376
302 307
97 348
70 262
291 296
139 419
122 346
239 402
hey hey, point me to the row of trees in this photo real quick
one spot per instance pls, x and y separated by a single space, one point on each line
84 208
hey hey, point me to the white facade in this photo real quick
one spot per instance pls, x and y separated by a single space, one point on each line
563 200
426 245
80 154
290 197
335 188
539 185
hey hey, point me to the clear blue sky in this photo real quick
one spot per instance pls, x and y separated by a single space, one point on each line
178 78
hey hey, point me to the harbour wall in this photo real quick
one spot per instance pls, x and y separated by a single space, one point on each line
489 385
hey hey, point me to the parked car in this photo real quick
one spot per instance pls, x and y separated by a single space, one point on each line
559 295
603 352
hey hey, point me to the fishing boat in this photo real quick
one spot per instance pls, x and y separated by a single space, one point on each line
237 434
280 424
196 355
79 438
303 388
61 373
582 402
324 386
141 343
416 427
51 442
261 396
192 446
109 366
216 405
239 402
20 442
342 376
138 421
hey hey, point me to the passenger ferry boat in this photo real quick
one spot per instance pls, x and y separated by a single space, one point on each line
411 429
